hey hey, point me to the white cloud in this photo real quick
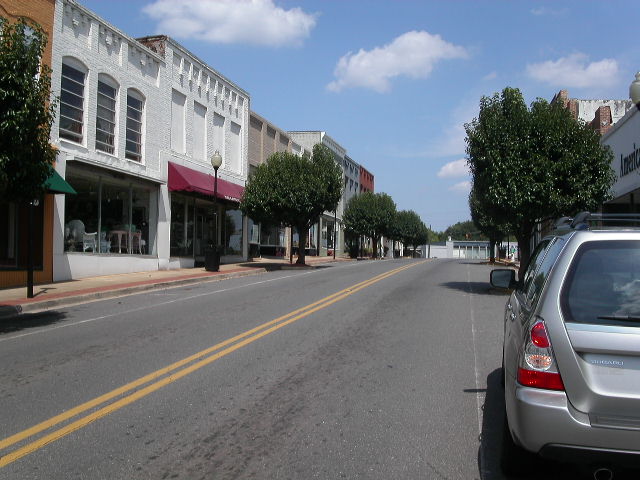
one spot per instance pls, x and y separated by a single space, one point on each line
548 11
462 187
575 71
255 22
490 76
457 168
413 54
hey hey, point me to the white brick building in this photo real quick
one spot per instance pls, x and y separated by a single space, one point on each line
136 125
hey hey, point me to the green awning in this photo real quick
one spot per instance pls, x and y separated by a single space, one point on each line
56 184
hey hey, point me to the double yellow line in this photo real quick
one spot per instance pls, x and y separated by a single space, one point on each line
165 376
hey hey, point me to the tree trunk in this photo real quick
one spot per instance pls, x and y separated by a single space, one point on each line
374 241
525 253
302 243
492 250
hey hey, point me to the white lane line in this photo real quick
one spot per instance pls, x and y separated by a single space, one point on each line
479 395
168 302
181 299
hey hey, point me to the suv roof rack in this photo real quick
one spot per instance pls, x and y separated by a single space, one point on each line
588 220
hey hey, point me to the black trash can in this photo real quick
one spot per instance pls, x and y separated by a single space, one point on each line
212 259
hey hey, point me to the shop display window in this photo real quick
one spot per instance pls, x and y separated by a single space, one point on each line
107 216
232 232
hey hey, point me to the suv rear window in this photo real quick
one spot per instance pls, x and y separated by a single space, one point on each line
603 284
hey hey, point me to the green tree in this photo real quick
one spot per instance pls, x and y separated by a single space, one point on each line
26 112
481 214
409 229
534 164
294 191
371 215
462 231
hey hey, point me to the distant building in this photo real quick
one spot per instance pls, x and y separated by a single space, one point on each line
265 139
624 140
330 232
599 114
366 180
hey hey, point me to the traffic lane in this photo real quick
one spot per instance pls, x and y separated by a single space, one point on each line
411 413
370 389
103 345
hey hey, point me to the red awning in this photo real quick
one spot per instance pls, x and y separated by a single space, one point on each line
188 180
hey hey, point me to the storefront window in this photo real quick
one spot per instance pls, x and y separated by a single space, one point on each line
181 226
232 232
328 234
107 216
81 215
205 233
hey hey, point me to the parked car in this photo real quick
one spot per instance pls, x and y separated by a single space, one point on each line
571 352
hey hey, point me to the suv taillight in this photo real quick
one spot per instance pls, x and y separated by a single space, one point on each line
537 366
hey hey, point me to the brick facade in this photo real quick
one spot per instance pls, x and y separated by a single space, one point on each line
599 114
41 12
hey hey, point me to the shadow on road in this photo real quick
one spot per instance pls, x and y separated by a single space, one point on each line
490 438
477 288
30 320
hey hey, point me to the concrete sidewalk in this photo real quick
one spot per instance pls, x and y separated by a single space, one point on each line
14 301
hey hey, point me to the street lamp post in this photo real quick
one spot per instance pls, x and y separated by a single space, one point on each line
212 257
634 90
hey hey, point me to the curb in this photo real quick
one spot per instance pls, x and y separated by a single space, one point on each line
8 312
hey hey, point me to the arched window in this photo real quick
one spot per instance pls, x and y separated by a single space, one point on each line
106 114
72 97
135 111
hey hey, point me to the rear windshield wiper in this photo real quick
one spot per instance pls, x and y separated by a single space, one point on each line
622 318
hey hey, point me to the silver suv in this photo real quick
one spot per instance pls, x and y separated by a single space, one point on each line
571 353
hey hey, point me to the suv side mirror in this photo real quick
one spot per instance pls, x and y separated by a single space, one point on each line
503 278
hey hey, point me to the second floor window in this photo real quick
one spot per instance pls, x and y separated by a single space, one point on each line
106 117
71 103
135 106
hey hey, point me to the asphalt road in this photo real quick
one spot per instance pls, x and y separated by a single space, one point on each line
385 370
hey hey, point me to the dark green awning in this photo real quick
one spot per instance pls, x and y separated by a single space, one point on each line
56 184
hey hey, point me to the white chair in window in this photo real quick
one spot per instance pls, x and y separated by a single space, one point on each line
137 244
105 245
80 237
89 241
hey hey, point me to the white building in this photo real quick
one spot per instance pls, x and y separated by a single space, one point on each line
624 140
136 125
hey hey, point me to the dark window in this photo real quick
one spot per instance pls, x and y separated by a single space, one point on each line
603 284
541 275
71 103
534 263
133 148
106 117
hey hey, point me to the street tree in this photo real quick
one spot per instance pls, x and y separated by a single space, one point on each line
409 229
461 230
26 112
371 215
534 164
294 191
488 224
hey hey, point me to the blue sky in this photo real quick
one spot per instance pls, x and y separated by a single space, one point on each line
394 81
